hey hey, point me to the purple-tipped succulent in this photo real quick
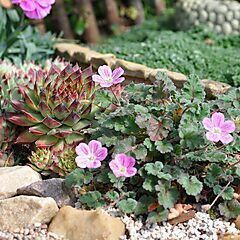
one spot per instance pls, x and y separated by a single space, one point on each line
55 110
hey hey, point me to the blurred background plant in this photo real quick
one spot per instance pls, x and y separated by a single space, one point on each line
20 41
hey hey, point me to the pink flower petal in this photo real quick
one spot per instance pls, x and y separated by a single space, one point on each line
118 72
28 5
225 139
119 80
94 164
106 84
101 154
94 145
213 137
45 3
82 149
105 71
228 126
207 123
217 119
81 162
130 172
97 78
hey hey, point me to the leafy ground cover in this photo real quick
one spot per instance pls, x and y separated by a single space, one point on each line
198 51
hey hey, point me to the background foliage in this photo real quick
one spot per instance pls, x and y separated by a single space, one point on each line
196 51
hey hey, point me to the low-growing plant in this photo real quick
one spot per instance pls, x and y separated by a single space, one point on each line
162 148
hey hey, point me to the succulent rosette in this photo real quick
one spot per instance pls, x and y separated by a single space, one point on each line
56 110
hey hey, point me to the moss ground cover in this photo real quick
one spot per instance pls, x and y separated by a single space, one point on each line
198 51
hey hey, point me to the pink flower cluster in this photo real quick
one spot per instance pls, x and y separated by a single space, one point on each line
219 129
91 155
35 9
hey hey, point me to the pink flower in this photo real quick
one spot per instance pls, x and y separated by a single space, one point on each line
91 155
35 9
218 129
122 166
107 78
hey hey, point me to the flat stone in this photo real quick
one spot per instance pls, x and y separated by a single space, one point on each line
75 224
24 211
214 88
54 188
12 178
237 222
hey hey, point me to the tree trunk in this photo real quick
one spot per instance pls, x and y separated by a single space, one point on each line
91 32
139 7
62 19
159 6
112 13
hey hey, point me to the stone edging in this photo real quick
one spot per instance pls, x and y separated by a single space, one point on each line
133 71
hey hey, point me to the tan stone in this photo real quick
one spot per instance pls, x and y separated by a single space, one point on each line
178 78
103 59
23 211
6 3
12 178
132 69
230 237
75 224
214 88
237 222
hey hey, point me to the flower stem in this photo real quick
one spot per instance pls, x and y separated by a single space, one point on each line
119 104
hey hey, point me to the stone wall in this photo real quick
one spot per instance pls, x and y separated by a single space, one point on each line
133 71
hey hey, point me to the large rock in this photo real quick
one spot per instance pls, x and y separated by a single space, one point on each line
75 224
23 211
54 188
12 178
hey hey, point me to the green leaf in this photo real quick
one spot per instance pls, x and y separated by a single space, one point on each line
191 184
149 144
163 146
167 196
125 145
213 174
192 90
92 199
140 152
159 216
149 184
143 203
127 205
154 168
112 195
230 209
78 177
226 195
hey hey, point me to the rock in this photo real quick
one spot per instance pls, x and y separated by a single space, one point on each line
75 224
214 88
24 211
13 178
103 59
227 29
53 188
237 222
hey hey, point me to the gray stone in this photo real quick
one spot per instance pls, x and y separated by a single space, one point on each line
229 16
24 211
226 27
212 16
12 178
203 16
235 24
220 19
54 188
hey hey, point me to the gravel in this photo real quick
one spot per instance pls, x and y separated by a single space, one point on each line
202 227
37 232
